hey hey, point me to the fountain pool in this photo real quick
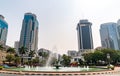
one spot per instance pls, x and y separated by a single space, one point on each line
53 69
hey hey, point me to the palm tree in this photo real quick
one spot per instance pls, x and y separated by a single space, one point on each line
23 50
17 60
31 54
11 50
35 61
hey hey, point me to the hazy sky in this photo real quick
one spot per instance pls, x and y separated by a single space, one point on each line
58 20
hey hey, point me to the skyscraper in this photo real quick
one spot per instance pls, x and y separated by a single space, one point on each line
3 30
109 35
84 32
29 32
118 28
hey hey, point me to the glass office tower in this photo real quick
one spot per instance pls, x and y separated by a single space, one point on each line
3 30
84 33
109 35
118 28
29 32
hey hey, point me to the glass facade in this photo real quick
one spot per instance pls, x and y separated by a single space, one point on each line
29 32
3 30
84 33
118 28
109 35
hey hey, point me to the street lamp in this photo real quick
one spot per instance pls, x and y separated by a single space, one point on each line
108 57
109 65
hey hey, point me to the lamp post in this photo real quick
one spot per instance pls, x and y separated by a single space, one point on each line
108 57
109 65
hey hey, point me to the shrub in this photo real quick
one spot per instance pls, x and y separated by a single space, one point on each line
1 67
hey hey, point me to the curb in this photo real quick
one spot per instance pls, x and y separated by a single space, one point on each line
59 73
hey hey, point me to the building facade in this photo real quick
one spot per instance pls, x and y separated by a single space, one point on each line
72 53
42 50
29 32
118 28
3 30
109 35
84 33
16 46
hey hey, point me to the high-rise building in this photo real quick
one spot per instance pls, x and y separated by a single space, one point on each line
29 32
118 28
84 33
16 46
109 35
3 30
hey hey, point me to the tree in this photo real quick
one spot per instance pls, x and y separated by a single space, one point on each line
81 62
118 57
11 50
97 56
88 58
101 55
66 60
112 53
17 60
31 54
22 51
9 58
35 61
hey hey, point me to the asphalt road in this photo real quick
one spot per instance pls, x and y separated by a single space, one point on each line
117 74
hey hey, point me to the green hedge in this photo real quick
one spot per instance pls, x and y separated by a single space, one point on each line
1 67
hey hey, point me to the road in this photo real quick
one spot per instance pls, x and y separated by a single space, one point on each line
117 74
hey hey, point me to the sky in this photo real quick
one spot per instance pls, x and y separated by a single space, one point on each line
58 20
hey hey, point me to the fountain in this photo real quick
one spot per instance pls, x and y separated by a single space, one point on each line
56 68
49 60
57 63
